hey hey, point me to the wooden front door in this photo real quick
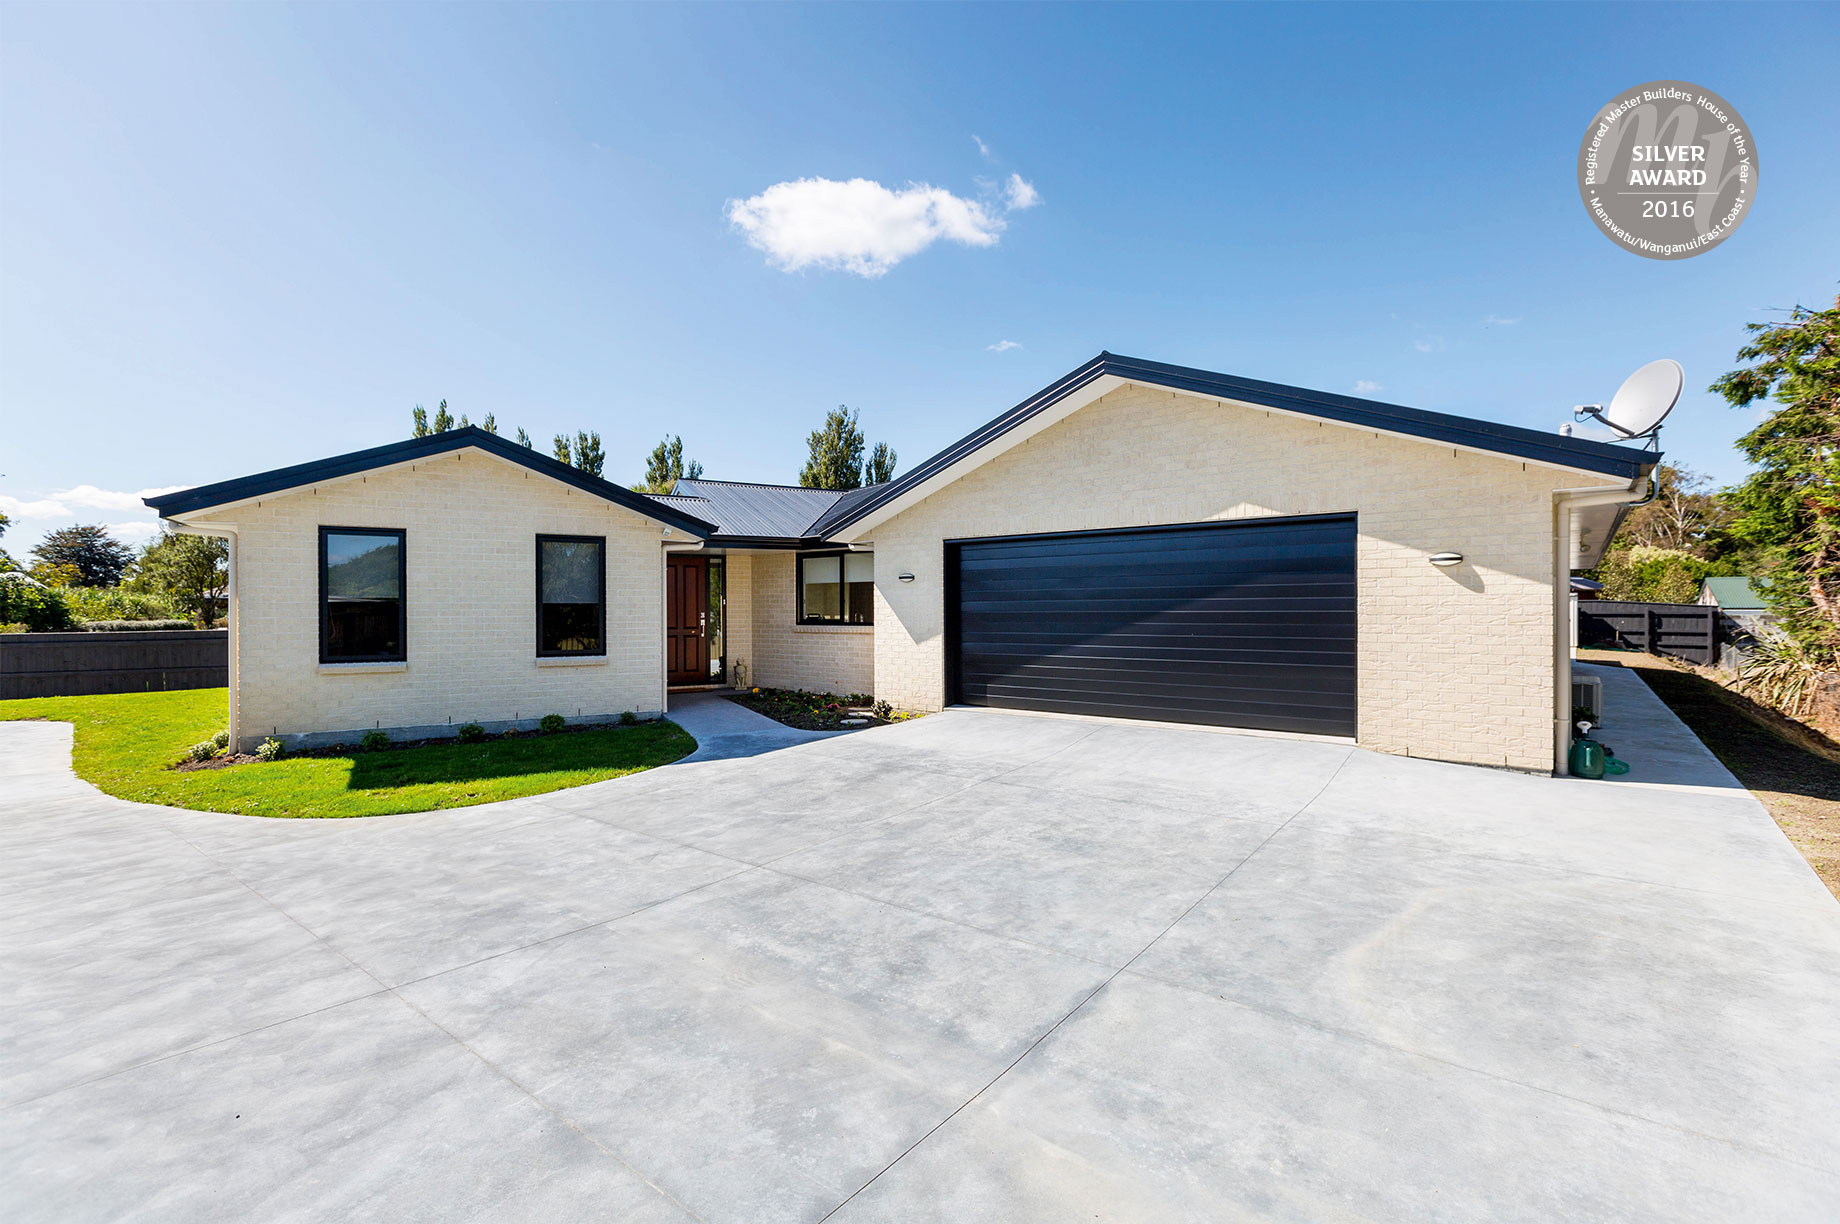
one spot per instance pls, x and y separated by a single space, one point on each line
686 620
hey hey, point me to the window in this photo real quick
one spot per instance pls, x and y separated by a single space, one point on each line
837 589
571 595
361 578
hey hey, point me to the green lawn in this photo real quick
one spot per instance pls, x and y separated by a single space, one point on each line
126 744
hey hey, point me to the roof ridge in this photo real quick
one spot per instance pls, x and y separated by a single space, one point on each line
761 484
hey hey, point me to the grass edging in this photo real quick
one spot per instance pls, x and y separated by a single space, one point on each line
127 743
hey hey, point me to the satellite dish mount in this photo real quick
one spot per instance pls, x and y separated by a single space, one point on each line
1641 403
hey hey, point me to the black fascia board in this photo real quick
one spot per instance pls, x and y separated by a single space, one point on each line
1509 440
243 488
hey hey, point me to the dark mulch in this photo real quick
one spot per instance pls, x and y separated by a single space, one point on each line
1788 765
217 762
815 711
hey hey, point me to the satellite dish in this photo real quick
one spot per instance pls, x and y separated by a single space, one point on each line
1643 401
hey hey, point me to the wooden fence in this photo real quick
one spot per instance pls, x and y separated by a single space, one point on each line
78 664
1684 631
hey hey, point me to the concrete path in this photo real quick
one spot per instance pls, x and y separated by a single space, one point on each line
724 729
978 967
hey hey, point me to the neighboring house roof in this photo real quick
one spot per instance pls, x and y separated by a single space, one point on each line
1110 370
302 475
785 514
1734 594
1585 586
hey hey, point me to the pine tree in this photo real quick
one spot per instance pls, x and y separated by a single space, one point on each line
665 466
836 459
588 454
880 468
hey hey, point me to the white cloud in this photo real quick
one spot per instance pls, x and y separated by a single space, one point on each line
1366 386
1430 344
859 226
1019 193
1002 346
983 149
138 532
1498 321
69 502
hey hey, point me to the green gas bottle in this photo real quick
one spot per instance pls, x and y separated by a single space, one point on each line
1587 758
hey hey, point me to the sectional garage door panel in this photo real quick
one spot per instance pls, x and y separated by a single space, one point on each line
1248 624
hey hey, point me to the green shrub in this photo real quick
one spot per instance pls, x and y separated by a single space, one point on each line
132 626
1782 671
628 718
1655 575
41 609
470 733
882 710
203 750
116 604
221 740
373 741
270 750
552 723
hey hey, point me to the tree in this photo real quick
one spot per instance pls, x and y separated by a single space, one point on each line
1684 516
880 468
1790 506
524 440
490 424
443 421
836 453
665 466
584 453
588 454
1655 575
98 556
6 562
192 572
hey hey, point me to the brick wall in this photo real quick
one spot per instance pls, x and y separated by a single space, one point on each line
739 598
1454 664
471 523
822 658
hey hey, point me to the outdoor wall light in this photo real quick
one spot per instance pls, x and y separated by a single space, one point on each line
904 577
1445 560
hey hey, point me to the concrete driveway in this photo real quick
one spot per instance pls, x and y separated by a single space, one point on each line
978 967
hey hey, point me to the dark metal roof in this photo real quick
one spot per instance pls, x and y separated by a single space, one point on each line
739 508
188 501
785 515
1512 440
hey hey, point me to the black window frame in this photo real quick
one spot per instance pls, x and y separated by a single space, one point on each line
537 606
401 655
843 588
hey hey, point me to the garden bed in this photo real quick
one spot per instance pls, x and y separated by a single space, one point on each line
820 711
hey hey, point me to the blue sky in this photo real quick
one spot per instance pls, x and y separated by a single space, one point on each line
233 238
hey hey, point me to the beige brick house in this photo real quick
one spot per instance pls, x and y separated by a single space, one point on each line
1137 540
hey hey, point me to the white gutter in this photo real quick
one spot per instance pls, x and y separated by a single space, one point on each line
225 531
1565 552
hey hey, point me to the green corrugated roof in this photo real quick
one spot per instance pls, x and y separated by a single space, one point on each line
1735 594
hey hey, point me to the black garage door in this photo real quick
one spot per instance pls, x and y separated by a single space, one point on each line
1245 624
